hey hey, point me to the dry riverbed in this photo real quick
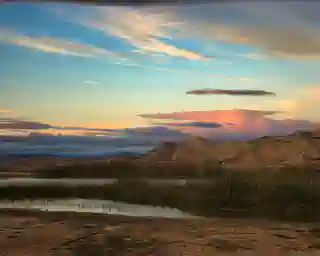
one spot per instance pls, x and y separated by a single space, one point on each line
36 233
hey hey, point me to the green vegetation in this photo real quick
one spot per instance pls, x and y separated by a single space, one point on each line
129 170
282 195
173 171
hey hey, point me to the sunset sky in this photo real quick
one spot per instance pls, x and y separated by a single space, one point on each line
205 69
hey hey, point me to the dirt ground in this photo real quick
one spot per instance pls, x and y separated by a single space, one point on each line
42 234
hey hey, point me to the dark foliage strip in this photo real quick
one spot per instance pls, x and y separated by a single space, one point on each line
128 170
170 171
232 197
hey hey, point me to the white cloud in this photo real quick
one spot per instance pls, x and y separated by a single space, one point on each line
91 82
274 29
53 45
144 30
300 103
253 56
172 70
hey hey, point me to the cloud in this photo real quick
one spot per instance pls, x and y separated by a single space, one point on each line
173 70
75 128
208 115
253 56
273 28
5 110
11 124
194 124
231 92
244 79
303 102
53 45
15 123
148 32
289 30
296 43
243 121
157 46
153 130
91 82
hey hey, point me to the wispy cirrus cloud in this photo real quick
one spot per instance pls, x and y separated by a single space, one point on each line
174 70
273 29
53 45
253 56
91 82
234 92
148 32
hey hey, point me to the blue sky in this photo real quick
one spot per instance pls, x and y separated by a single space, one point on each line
104 67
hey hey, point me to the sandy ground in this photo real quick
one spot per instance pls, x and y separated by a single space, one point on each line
42 234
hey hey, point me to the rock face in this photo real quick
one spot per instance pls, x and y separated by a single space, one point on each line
301 148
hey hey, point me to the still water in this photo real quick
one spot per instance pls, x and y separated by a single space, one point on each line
92 182
94 206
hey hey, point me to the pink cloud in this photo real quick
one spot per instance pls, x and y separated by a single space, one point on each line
242 121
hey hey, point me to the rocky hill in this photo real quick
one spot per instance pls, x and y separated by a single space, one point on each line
298 149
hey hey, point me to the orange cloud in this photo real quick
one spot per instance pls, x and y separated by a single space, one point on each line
4 110
103 125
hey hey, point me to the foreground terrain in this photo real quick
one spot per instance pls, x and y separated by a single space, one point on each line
27 233
283 183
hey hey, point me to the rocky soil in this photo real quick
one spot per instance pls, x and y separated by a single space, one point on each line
33 234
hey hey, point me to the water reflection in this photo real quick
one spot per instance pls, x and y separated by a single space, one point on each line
94 206
94 182
54 182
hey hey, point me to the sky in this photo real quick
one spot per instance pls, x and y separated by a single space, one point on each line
209 69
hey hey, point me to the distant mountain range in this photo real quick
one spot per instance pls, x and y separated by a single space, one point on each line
297 149
128 142
140 135
300 148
